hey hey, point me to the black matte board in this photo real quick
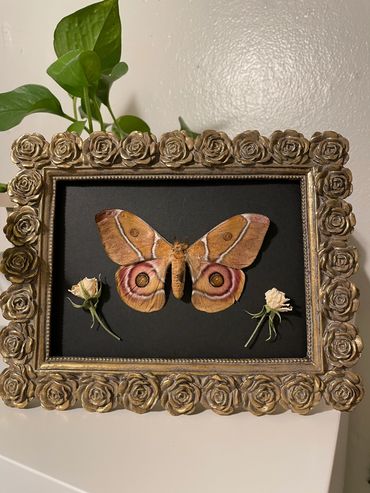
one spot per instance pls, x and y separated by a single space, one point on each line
182 209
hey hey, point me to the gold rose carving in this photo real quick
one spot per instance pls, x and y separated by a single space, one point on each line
101 149
220 394
18 302
337 258
340 299
251 148
212 148
342 343
343 390
66 150
289 147
334 182
328 148
22 226
180 393
175 149
17 385
260 394
336 218
300 393
56 391
30 151
139 392
20 264
26 187
16 342
98 393
138 149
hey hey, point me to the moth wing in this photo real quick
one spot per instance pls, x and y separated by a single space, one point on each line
234 242
141 285
230 246
143 254
127 239
210 297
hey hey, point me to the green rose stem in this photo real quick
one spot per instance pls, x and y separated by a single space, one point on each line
261 315
266 311
91 307
95 316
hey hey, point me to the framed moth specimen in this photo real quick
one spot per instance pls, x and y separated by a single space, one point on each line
182 250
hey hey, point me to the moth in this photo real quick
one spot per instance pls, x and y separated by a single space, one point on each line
215 260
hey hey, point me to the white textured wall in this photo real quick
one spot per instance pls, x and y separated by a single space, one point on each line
236 65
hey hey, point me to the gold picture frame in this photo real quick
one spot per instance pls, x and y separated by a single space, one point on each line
183 385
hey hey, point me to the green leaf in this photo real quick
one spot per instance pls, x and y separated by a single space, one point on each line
76 70
96 27
129 123
77 127
120 69
107 79
3 187
31 98
183 126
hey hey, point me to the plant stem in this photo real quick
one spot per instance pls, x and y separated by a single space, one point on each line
70 118
112 114
256 315
100 321
100 118
255 330
88 109
74 99
119 130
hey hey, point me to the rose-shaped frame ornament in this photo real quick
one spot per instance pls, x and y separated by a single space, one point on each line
183 386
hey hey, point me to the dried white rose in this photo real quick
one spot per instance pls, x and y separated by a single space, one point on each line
90 290
276 301
86 289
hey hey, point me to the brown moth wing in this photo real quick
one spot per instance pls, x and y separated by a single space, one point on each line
127 239
209 298
237 241
143 254
227 248
144 297
234 243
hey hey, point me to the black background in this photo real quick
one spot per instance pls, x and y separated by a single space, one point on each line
184 210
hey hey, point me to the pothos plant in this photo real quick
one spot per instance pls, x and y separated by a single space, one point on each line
88 46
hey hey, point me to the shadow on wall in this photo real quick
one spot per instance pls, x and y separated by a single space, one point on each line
339 461
359 421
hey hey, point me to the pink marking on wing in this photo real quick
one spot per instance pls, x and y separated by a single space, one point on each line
145 267
257 218
126 280
231 277
100 216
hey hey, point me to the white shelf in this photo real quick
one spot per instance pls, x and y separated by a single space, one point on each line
159 453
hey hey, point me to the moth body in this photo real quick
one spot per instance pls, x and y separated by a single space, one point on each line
178 266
